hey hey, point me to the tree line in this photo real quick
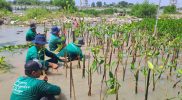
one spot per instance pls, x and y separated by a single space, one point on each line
104 4
145 9
59 3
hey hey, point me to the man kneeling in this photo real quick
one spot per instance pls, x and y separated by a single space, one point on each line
30 88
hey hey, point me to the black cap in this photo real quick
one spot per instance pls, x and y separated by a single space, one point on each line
33 65
32 25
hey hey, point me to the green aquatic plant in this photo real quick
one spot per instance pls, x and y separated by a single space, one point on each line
14 47
4 66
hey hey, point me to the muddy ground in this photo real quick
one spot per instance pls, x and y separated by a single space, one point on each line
163 90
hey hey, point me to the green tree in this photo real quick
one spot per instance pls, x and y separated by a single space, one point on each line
28 2
99 4
36 13
66 4
105 4
170 9
123 4
144 10
5 5
93 4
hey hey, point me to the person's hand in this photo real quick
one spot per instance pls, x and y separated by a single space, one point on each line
45 78
64 59
53 65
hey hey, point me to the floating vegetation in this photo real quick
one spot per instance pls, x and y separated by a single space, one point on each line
4 67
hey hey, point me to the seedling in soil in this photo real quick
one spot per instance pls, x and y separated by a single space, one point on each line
113 85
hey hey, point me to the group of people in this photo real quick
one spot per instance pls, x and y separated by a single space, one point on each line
29 87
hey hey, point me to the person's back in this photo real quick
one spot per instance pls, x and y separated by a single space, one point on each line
72 51
55 39
27 88
31 33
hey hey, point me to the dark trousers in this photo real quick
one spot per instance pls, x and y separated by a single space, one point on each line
48 98
52 60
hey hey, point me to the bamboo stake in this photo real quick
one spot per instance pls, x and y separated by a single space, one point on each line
110 68
89 68
70 79
72 82
79 65
148 82
66 65
83 73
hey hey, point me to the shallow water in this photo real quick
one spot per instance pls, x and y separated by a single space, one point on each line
13 35
8 36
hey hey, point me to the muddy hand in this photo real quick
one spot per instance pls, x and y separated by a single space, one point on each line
45 78
64 58
53 65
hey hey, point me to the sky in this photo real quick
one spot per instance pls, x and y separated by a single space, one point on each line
163 2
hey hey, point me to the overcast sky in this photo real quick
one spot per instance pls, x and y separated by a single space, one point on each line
163 2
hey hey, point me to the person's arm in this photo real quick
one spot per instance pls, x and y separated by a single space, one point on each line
52 55
49 89
34 55
60 40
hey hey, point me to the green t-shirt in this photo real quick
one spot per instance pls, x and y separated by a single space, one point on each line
34 53
30 35
72 51
55 41
28 88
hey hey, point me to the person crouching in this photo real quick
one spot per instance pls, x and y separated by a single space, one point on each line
29 87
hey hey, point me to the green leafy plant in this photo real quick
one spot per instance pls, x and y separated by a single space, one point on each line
112 84
36 13
144 10
4 66
5 5
170 9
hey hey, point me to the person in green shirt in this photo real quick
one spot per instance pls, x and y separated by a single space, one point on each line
57 44
72 51
56 39
29 87
38 52
31 33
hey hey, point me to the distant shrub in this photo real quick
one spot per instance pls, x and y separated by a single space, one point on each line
109 11
94 12
37 13
5 5
170 9
144 10
4 12
90 12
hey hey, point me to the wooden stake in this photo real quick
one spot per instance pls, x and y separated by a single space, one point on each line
83 73
70 79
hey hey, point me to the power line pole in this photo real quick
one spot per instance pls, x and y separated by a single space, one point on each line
173 2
